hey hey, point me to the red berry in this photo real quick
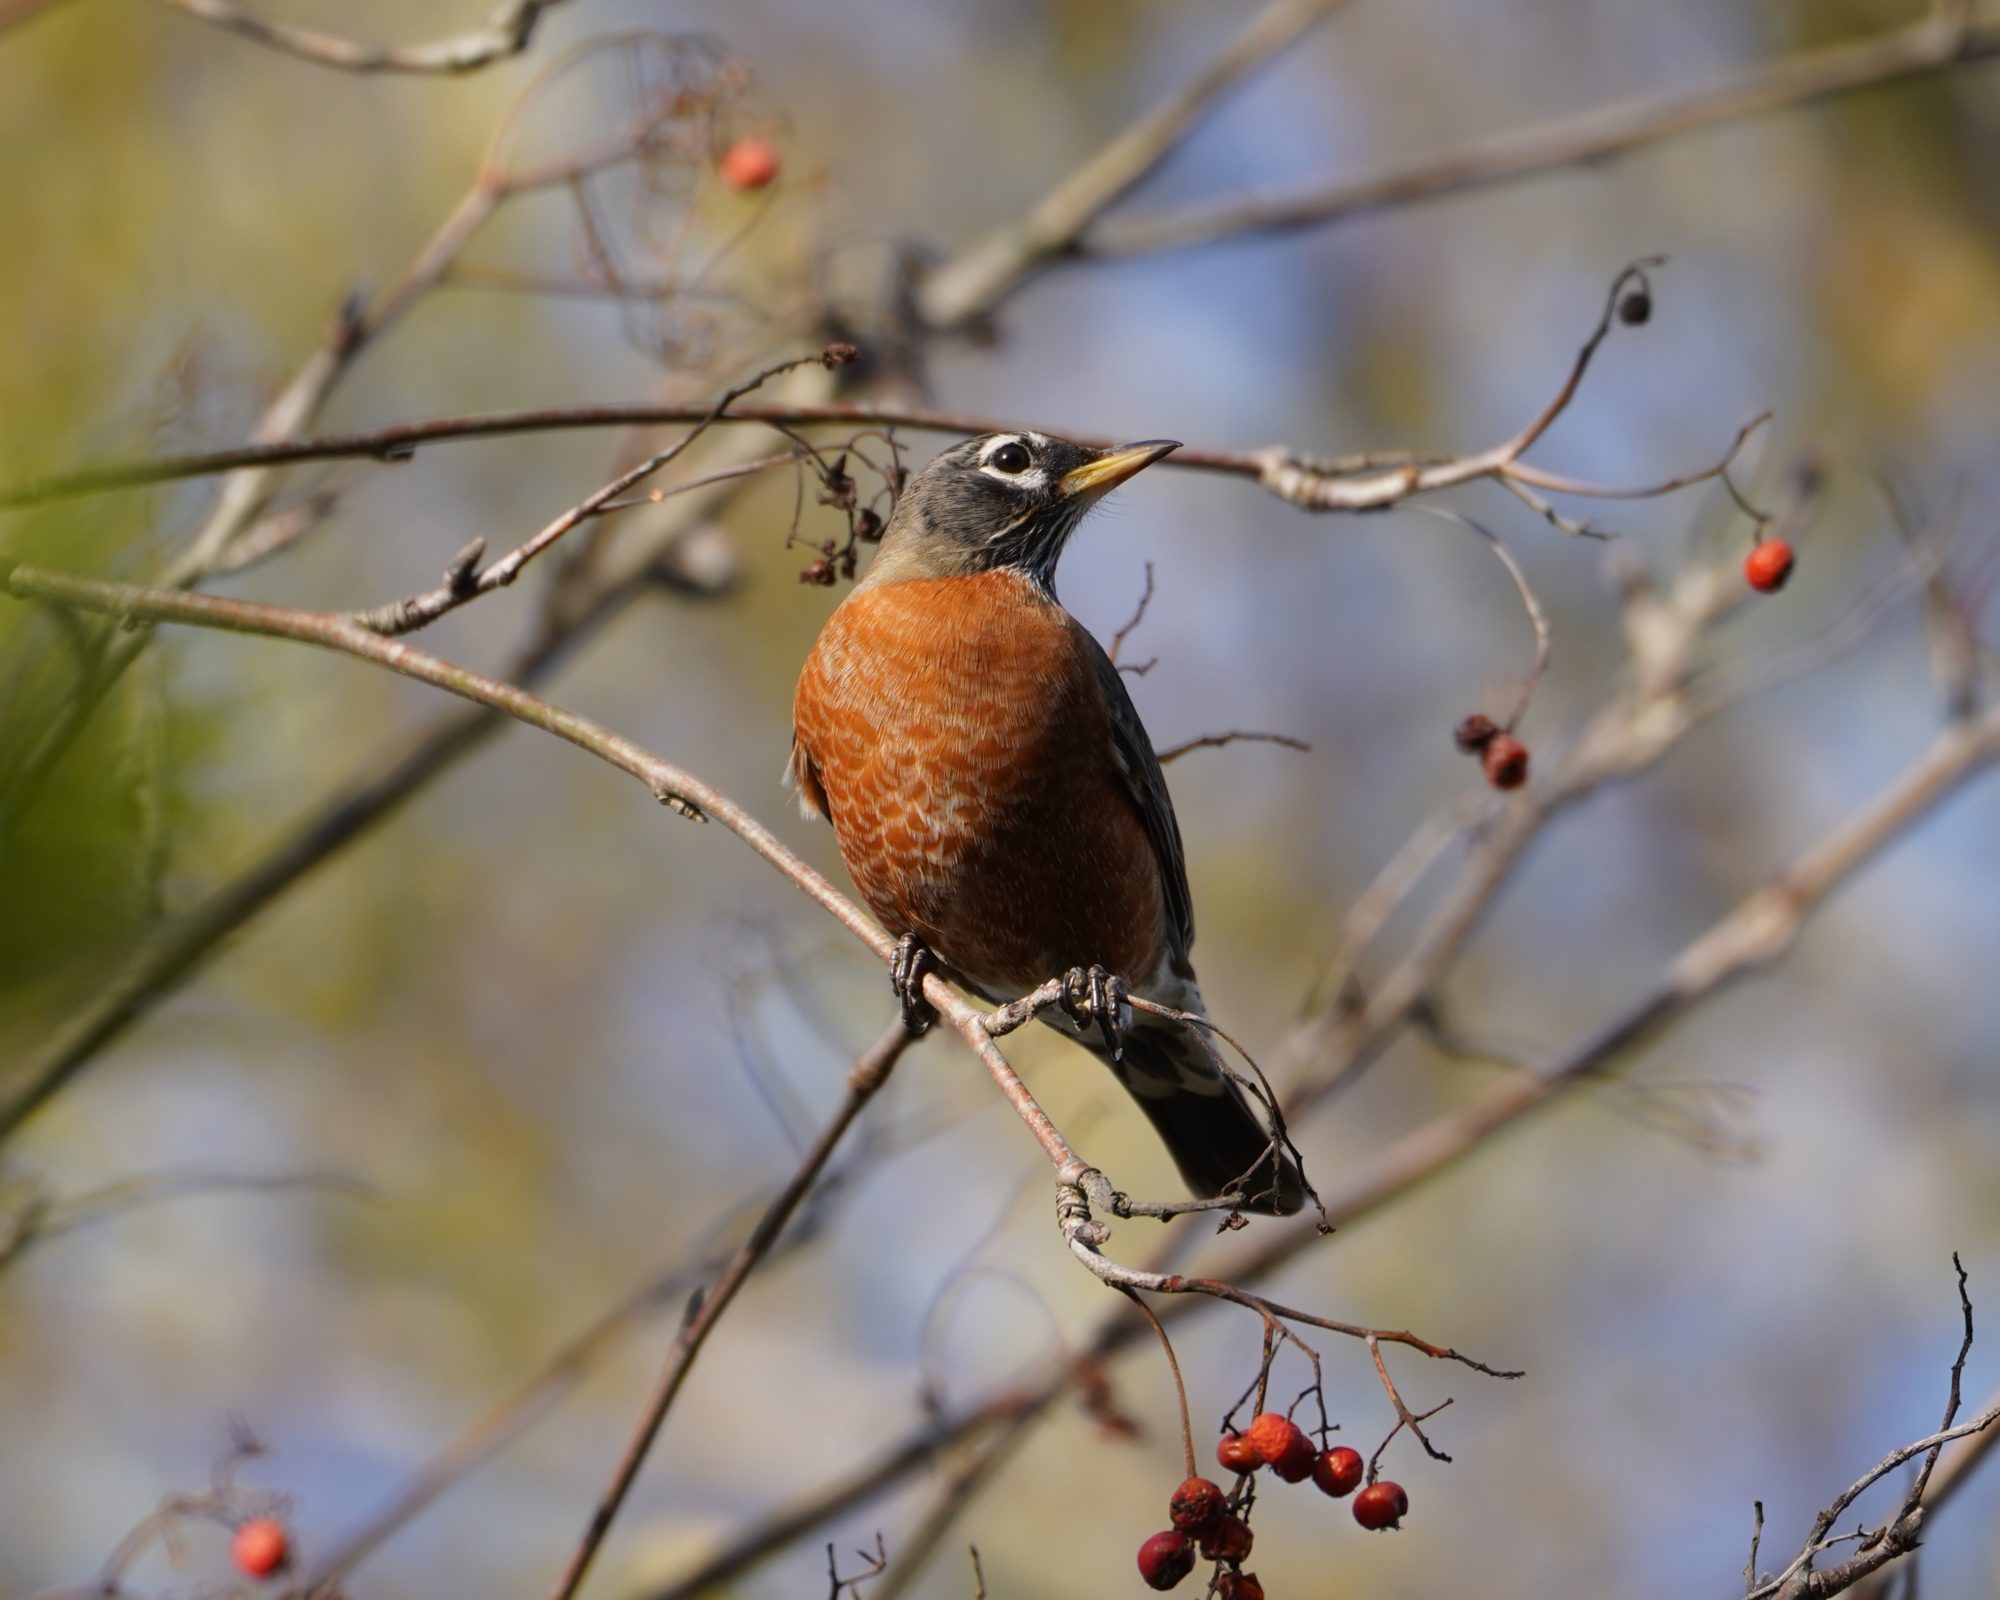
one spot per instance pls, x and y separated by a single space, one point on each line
1227 1539
1238 1586
1195 1505
1338 1470
1279 1440
1165 1559
1297 1466
260 1547
749 164
1381 1505
1505 762
1768 568
1236 1453
1474 733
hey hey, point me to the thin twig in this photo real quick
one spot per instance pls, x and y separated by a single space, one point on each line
465 581
510 32
867 1076
1174 1367
1215 741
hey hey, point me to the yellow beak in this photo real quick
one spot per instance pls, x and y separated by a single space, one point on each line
1115 466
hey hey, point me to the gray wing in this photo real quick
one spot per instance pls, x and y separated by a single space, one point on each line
1140 767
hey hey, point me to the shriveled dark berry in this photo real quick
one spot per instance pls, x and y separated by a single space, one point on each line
1165 1559
1505 762
1228 1539
1195 1506
1475 732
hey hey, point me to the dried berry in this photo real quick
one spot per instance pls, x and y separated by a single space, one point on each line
749 163
819 571
1236 1453
1277 1439
1635 307
1768 568
1165 1559
1238 1586
1195 1506
1505 762
1338 1471
260 1547
1381 1505
1474 733
1228 1539
839 354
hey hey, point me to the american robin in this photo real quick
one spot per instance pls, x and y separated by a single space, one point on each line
996 799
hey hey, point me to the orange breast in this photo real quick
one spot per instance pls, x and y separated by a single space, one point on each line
956 734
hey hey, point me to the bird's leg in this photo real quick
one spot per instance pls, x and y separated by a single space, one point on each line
1090 994
913 959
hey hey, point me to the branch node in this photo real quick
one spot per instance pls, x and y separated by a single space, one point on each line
679 804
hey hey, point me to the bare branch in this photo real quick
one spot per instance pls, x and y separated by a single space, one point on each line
1347 483
509 32
867 1076
1948 38
465 581
41 1218
1746 939
979 277
1215 741
675 554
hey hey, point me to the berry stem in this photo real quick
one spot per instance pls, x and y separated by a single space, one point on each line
1173 1366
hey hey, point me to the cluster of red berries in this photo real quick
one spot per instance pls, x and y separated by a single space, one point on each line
260 1547
1279 1443
1502 757
1202 1519
1200 1514
1768 567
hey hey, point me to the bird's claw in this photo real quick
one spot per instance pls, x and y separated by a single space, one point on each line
912 961
1091 994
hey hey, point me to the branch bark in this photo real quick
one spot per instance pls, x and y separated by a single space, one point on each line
508 33
1947 38
974 282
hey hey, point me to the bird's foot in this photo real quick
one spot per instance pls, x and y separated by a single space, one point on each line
913 959
1091 994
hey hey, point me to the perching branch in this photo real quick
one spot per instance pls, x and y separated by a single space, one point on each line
1747 940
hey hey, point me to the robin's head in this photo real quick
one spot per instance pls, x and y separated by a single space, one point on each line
1003 500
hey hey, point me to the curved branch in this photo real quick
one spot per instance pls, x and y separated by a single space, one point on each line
510 31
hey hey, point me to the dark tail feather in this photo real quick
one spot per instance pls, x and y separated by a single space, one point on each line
1206 1121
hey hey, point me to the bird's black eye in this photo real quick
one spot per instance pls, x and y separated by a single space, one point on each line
1010 457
